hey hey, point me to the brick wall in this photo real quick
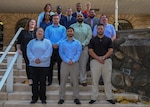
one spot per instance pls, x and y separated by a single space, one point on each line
10 21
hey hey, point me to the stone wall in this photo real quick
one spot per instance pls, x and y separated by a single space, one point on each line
10 21
131 60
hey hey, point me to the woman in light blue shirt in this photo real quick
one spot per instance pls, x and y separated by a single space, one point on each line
39 51
47 8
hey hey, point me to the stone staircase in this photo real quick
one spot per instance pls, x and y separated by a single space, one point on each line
21 96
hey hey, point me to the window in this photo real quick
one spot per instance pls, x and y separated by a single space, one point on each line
124 25
21 23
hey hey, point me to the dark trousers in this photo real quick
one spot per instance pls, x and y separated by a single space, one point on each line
88 64
27 65
39 82
54 58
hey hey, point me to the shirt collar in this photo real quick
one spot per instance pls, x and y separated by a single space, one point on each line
69 16
55 25
79 12
72 39
78 24
39 40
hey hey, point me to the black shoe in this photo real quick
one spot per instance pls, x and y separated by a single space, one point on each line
30 84
61 101
88 68
44 102
49 84
33 101
92 101
101 83
77 101
111 101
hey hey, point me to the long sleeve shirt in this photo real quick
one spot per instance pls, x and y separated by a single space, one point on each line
83 33
44 24
41 16
41 49
24 38
109 30
55 33
70 50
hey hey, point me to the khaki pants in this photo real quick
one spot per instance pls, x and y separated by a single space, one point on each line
73 70
82 64
98 69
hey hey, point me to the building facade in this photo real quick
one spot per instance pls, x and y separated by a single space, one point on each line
10 22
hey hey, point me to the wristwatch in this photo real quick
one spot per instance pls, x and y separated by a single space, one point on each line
103 57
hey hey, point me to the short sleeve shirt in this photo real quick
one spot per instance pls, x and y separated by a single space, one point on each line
100 45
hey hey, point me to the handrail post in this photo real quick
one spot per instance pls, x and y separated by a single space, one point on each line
9 82
19 62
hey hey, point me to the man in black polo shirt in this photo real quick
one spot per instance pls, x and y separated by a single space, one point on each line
100 49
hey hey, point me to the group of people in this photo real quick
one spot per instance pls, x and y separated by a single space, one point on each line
72 41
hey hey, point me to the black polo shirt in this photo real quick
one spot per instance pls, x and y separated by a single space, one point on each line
100 45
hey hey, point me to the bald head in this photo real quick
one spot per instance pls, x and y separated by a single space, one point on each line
80 17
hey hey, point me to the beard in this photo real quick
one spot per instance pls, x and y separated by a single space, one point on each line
91 16
80 20
100 33
70 35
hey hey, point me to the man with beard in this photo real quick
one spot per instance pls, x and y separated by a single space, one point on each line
101 49
70 51
92 20
83 33
109 31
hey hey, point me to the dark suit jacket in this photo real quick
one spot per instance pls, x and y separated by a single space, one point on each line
62 19
75 15
67 23
95 22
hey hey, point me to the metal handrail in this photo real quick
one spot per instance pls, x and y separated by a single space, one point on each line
11 53
5 76
10 45
9 70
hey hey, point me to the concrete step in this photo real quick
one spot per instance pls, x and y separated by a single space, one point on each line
54 95
53 103
3 96
24 87
16 72
21 72
20 75
22 94
20 79
4 66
